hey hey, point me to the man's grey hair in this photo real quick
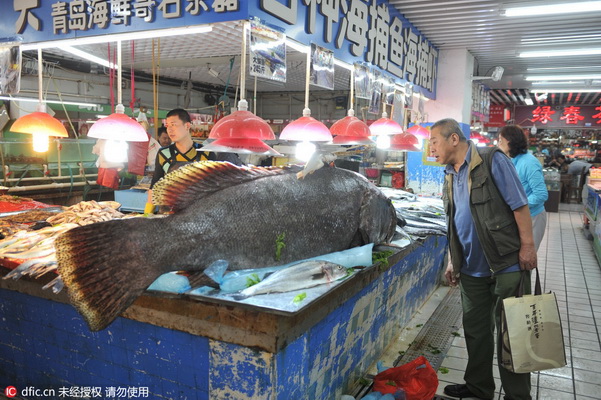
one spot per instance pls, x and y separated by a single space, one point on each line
447 127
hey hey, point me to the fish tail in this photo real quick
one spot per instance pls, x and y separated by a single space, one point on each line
106 266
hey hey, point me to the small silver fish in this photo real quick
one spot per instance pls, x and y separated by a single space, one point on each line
303 275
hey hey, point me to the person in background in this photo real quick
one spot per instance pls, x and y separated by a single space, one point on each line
163 136
560 163
513 142
182 151
490 243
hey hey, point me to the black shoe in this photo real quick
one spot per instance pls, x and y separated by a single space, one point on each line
460 391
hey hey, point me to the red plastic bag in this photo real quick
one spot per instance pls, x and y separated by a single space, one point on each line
417 378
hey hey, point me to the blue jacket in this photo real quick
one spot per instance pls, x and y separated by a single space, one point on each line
530 172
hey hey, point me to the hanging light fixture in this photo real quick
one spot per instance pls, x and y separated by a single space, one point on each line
419 131
40 124
306 129
241 131
118 129
404 142
350 129
383 128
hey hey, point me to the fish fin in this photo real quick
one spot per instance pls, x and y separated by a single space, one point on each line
105 268
199 279
191 182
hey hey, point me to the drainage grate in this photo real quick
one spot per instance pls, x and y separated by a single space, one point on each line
434 339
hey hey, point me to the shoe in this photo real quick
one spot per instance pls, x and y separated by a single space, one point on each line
460 391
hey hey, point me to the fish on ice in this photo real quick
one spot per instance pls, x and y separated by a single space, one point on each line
303 275
221 211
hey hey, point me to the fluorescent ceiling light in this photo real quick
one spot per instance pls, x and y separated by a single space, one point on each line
585 6
556 38
28 99
559 69
573 90
157 33
87 56
558 83
561 77
560 53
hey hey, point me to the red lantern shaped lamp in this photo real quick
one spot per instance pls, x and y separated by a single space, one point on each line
350 129
383 128
118 128
404 142
306 129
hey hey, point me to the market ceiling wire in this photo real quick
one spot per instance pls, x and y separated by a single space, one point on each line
155 82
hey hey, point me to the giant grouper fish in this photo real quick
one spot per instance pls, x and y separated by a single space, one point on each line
220 211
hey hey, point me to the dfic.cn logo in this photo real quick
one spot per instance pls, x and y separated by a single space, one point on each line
10 391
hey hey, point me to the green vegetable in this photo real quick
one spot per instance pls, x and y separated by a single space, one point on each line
279 245
363 381
381 257
253 279
419 325
443 370
299 297
391 383
456 334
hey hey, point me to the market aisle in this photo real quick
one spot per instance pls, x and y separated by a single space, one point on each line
569 268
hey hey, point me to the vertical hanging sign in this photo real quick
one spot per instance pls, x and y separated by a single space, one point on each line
322 67
267 53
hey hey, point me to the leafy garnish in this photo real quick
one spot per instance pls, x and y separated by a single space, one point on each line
299 297
253 279
456 334
391 383
279 245
443 370
381 257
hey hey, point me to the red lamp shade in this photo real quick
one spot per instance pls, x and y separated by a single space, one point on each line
419 131
308 129
385 126
39 123
118 126
241 132
404 141
350 130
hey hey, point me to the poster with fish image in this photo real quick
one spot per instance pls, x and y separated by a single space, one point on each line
376 92
10 68
361 81
322 67
267 52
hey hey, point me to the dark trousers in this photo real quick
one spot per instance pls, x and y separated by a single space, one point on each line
481 299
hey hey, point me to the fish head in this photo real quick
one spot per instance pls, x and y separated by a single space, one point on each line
333 271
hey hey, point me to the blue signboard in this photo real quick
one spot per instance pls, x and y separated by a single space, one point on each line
368 31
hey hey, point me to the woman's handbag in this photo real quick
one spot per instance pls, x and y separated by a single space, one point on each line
531 331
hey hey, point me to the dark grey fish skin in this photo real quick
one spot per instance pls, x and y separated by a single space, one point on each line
106 266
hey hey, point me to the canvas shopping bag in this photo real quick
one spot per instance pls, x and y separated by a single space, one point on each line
531 331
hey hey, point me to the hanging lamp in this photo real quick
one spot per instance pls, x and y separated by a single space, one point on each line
419 131
383 128
40 124
241 131
350 129
306 129
118 128
404 142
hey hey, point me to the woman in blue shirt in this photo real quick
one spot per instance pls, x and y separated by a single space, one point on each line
513 142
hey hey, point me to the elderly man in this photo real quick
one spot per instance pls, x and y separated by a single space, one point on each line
490 243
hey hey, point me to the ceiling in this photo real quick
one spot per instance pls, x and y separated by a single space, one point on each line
476 25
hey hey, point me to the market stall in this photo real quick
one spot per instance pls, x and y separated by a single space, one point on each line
186 346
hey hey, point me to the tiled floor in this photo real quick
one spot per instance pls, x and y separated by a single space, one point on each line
569 268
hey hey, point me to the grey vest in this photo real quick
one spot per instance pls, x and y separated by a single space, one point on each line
495 223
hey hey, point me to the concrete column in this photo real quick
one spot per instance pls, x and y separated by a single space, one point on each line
454 87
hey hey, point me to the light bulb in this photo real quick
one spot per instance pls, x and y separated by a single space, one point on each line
304 151
40 142
115 151
383 141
